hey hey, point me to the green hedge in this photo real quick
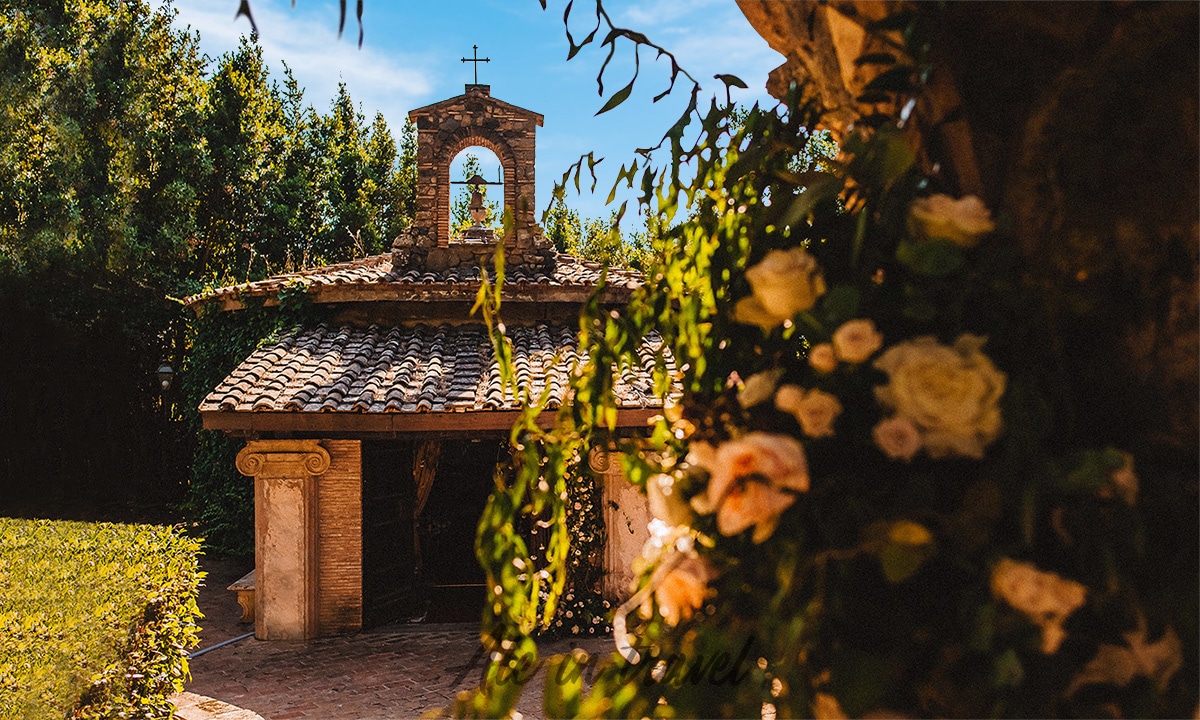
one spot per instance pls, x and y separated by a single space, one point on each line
95 618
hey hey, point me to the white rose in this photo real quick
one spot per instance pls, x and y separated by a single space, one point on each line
897 437
822 358
941 216
815 410
951 394
856 340
784 283
752 480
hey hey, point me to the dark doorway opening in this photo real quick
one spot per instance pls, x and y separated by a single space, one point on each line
390 590
419 560
446 528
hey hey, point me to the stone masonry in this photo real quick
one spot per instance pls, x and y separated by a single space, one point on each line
443 130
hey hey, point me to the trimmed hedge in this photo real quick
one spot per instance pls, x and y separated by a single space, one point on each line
95 618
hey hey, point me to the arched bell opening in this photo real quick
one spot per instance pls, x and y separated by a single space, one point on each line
477 197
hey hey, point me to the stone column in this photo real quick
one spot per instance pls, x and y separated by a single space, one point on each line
626 516
285 534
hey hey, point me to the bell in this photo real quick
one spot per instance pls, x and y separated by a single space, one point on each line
476 209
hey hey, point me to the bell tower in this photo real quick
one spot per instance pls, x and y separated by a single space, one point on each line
443 130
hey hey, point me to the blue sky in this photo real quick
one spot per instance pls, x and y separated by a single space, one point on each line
411 53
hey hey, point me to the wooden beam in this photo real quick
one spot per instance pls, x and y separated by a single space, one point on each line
390 423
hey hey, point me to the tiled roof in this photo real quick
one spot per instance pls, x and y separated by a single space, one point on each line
408 369
377 271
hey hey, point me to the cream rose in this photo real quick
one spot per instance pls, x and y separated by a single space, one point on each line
1044 597
951 394
856 340
784 283
898 438
759 387
683 590
815 410
821 358
752 480
961 221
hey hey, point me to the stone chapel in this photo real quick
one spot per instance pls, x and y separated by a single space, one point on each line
371 438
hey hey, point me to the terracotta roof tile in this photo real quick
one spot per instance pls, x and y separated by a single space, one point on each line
411 368
377 270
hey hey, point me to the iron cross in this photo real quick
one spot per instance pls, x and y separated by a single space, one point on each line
476 59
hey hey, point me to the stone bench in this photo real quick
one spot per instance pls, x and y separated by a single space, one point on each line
245 595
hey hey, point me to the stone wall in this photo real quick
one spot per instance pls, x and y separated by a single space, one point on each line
443 130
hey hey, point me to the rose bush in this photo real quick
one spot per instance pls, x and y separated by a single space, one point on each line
878 512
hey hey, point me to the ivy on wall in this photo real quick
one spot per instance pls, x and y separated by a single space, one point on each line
220 501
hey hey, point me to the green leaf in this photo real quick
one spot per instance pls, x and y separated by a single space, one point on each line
900 562
731 80
840 304
617 98
933 258
859 681
826 187
1007 670
564 684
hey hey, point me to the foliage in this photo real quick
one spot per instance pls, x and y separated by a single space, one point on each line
134 172
869 496
96 618
219 499
595 239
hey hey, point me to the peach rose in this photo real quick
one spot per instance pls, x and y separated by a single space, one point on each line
897 437
856 340
752 480
815 410
962 221
1122 482
827 707
683 590
784 283
951 394
665 501
822 358
1047 599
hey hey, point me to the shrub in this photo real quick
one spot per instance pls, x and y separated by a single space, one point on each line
95 618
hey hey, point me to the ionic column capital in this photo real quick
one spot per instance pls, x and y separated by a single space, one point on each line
283 458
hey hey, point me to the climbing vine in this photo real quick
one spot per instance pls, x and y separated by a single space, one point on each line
865 497
220 500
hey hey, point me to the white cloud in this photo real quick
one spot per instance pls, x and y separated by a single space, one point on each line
380 81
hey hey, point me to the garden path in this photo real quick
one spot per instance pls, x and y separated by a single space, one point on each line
396 672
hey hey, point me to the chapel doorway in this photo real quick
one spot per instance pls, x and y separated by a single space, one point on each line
422 500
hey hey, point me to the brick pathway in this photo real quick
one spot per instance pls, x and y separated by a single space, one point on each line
402 673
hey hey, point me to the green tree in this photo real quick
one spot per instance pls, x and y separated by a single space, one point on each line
561 223
246 135
99 150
